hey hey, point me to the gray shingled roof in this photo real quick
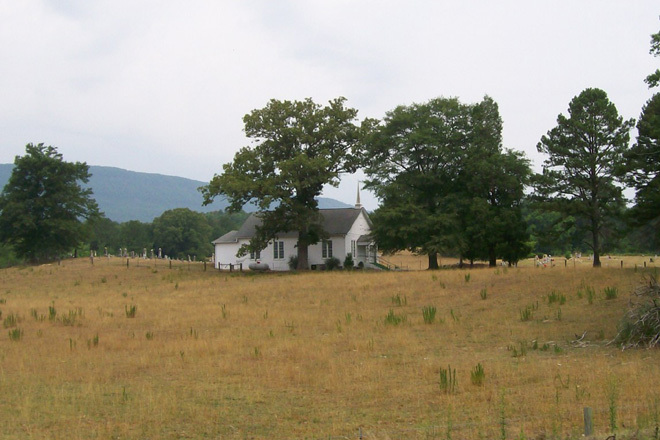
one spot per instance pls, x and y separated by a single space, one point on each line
335 222
229 237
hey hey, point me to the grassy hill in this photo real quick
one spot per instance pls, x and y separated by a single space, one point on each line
128 195
157 351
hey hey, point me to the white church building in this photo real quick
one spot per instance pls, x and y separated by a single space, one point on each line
348 231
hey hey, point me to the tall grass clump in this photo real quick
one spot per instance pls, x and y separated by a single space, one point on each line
10 321
477 375
130 311
587 291
52 313
527 313
15 334
394 319
448 382
502 415
556 297
611 292
612 392
483 293
71 318
428 313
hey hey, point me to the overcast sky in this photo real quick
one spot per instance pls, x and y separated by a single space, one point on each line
162 86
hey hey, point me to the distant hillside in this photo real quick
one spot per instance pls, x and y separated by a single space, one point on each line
128 195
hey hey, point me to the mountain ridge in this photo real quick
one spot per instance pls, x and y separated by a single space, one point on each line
125 195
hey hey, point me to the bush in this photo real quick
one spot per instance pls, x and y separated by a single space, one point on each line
332 263
641 324
348 262
293 262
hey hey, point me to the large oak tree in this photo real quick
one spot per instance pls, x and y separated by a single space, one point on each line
414 161
43 206
445 182
300 146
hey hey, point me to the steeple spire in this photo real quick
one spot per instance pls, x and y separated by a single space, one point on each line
358 205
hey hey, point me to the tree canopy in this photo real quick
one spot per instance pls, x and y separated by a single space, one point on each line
413 164
43 206
654 79
585 160
439 168
182 233
643 165
300 146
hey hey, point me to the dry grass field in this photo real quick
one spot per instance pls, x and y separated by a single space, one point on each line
320 355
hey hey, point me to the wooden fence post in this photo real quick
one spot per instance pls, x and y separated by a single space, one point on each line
588 421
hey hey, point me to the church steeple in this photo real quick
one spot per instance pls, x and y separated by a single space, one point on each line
358 205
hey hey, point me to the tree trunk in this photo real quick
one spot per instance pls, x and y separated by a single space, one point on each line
492 257
433 261
303 250
596 242
303 259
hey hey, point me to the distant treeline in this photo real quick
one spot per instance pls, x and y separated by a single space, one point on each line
182 232
178 233
552 234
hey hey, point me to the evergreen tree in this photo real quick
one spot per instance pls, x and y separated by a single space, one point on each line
585 159
643 165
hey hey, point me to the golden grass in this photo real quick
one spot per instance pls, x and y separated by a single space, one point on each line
218 355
